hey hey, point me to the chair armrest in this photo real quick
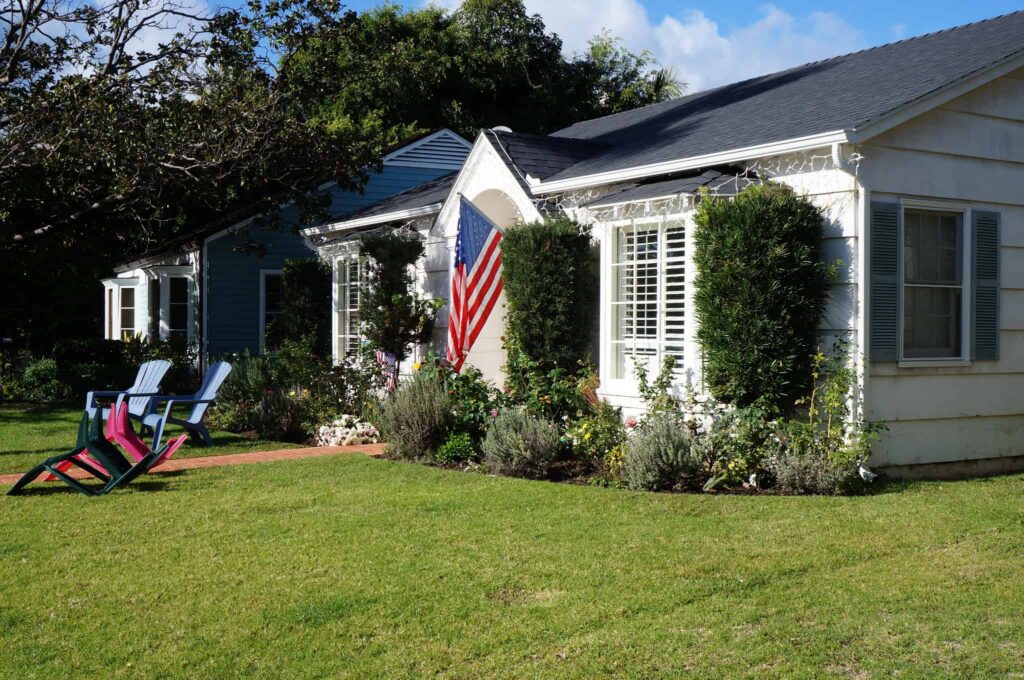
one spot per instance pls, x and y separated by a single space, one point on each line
171 401
90 398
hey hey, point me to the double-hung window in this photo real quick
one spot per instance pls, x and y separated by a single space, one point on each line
648 294
933 284
127 304
177 307
350 273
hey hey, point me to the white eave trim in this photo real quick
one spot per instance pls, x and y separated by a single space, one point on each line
371 220
692 163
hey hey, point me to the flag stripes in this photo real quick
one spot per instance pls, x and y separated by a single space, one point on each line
476 280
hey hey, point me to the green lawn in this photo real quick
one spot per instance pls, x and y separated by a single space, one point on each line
29 434
352 567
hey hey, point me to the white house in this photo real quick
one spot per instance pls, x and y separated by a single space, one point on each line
915 150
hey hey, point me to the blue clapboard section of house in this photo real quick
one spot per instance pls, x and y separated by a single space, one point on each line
234 311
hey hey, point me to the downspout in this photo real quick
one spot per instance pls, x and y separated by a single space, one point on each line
860 207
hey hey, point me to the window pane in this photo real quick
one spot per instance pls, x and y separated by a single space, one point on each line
178 290
127 298
127 321
179 317
932 248
931 322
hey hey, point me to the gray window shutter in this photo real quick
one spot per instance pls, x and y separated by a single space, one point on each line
985 311
885 282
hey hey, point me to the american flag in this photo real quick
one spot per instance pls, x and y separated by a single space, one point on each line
388 363
476 280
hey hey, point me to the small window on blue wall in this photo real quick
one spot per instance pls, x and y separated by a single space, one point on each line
273 294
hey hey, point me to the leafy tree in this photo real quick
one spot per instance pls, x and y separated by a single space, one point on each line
394 317
109 147
306 315
619 80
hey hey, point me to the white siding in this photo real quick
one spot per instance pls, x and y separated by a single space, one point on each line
969 150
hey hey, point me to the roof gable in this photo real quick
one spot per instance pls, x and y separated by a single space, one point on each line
442 149
842 93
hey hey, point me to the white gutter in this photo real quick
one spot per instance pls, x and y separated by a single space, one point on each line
371 220
692 163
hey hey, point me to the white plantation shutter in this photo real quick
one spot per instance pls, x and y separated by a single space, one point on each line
350 276
648 293
673 317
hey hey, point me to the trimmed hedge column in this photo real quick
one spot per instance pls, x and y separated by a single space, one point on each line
761 293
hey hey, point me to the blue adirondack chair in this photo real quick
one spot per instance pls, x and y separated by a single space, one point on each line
201 400
147 382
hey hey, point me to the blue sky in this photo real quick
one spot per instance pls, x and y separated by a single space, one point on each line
712 43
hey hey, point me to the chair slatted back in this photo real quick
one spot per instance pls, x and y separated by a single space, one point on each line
215 376
147 381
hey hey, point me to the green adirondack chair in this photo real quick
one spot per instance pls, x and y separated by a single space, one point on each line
117 469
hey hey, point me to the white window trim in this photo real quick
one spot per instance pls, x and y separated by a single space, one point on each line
627 386
264 273
113 316
966 294
164 274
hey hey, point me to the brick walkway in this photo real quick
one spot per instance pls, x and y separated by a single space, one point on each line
175 464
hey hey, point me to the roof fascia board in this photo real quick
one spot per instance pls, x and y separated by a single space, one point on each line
371 220
958 88
692 163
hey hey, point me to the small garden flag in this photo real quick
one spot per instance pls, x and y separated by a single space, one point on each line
476 280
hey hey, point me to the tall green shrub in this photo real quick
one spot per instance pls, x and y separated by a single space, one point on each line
761 292
306 312
550 278
394 317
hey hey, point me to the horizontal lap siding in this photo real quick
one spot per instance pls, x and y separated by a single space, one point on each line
233 305
970 149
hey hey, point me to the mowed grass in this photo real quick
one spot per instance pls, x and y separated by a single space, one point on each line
352 567
30 433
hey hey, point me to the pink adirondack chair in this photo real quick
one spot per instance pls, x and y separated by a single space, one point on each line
119 431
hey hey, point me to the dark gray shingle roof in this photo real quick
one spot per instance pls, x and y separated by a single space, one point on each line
539 156
836 94
419 196
715 181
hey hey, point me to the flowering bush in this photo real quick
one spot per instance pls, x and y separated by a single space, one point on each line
595 435
346 431
474 400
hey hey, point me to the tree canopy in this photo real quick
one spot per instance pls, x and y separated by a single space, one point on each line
127 123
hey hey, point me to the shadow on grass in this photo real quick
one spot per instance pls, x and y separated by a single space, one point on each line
52 488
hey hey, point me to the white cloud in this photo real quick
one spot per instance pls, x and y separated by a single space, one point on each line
695 45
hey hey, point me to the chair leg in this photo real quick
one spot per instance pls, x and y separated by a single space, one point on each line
26 479
198 433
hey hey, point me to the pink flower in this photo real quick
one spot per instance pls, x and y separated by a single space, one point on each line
494 413
631 422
